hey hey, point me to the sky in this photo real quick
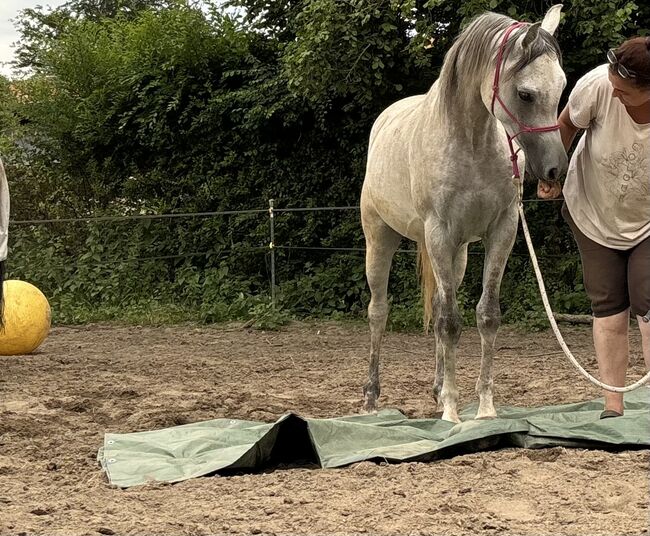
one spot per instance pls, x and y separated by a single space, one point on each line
9 10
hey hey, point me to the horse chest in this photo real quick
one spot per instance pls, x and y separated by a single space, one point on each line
470 215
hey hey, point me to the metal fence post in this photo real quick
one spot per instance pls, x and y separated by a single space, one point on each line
272 248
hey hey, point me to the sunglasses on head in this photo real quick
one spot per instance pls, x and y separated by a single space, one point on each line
616 66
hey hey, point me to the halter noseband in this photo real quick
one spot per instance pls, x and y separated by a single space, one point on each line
495 97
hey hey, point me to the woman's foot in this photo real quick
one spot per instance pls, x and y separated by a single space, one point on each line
609 413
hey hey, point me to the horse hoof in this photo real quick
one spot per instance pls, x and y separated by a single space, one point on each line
451 417
486 413
369 406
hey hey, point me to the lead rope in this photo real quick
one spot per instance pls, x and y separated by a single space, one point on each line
551 318
518 182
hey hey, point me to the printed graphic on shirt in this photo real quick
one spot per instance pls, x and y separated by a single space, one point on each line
628 173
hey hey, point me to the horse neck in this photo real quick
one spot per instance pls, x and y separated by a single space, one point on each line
470 122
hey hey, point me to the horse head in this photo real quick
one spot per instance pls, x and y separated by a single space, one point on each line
523 92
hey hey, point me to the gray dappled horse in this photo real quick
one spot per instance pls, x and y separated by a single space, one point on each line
439 173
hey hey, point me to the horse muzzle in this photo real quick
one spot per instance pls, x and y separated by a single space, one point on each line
548 189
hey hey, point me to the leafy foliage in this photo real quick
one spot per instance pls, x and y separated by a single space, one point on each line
131 107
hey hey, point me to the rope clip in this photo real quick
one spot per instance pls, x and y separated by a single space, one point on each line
519 184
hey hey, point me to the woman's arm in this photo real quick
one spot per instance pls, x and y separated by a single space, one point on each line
568 130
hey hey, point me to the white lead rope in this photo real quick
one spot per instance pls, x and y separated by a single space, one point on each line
556 330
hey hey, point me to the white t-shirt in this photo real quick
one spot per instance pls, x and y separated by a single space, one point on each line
607 189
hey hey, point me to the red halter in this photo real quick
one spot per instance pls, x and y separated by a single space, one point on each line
495 96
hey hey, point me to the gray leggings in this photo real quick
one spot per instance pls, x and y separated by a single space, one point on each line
614 279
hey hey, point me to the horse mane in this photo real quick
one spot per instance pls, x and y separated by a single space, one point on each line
473 55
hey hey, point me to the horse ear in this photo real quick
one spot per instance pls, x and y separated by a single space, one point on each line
531 34
552 18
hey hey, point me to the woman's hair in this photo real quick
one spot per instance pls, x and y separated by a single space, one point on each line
634 54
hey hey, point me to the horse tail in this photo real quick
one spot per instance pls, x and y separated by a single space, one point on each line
427 284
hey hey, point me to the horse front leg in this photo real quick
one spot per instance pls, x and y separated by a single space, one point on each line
498 245
460 265
447 321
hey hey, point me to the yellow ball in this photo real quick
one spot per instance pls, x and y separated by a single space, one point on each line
27 318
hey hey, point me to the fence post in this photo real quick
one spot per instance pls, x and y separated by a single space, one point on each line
272 248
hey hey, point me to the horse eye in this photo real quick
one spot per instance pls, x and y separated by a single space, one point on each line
525 96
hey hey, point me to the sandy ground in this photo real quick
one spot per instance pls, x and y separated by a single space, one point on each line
56 405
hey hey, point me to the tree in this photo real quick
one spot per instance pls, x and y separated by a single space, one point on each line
164 105
40 27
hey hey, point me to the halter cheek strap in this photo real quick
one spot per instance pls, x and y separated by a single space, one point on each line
523 127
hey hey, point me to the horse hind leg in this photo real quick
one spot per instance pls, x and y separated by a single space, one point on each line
381 243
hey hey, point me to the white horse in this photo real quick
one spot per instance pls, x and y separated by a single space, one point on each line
439 173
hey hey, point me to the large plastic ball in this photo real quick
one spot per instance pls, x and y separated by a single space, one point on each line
27 318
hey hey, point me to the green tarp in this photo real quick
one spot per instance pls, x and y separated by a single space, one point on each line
192 450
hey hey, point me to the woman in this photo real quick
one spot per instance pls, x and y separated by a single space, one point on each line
607 202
